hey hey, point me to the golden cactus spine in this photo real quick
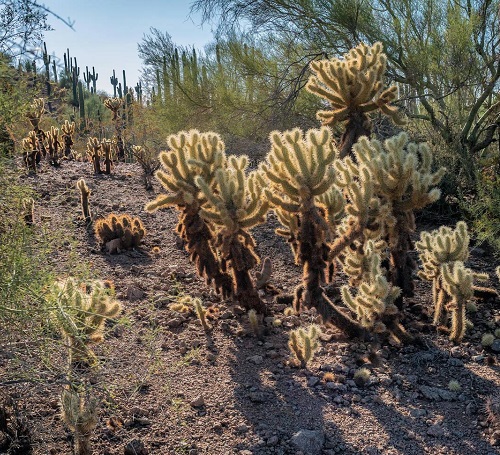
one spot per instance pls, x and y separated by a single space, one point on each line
234 205
84 199
193 154
353 86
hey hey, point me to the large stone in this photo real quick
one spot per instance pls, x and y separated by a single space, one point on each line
309 442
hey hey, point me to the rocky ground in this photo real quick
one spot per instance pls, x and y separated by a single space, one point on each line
167 387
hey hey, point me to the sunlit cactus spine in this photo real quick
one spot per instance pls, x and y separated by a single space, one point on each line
235 204
193 154
354 87
404 181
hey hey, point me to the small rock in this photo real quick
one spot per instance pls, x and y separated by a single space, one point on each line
495 347
175 322
198 402
256 359
416 412
135 447
436 431
312 381
310 442
456 352
272 441
134 293
242 429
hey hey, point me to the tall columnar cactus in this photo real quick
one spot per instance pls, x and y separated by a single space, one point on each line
93 151
114 82
300 179
404 181
115 105
89 78
46 61
235 204
374 301
68 129
193 154
81 312
84 199
354 86
438 248
81 104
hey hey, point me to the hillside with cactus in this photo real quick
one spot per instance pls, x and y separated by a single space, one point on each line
289 286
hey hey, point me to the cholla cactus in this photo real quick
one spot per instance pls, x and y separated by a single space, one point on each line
300 187
373 303
35 114
354 87
149 162
93 151
235 204
114 105
106 149
30 147
458 283
498 272
443 253
437 248
193 154
81 312
79 413
54 144
68 129
119 232
84 198
304 344
403 180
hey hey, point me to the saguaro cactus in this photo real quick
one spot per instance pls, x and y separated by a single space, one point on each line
193 154
235 204
354 87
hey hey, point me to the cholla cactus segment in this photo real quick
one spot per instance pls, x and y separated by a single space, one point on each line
304 344
82 310
36 111
93 152
442 246
354 83
193 154
373 303
357 260
124 229
299 167
114 105
235 203
54 143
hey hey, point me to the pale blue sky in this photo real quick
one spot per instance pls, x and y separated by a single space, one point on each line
106 33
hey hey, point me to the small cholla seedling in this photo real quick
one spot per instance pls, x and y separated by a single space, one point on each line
254 323
487 340
304 344
361 376
454 386
354 86
201 312
29 211
264 276
119 232
84 199
106 149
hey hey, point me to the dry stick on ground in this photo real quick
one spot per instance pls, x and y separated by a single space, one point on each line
193 154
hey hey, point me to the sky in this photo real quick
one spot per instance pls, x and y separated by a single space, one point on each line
106 33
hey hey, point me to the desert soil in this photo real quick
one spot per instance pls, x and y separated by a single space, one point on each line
167 387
